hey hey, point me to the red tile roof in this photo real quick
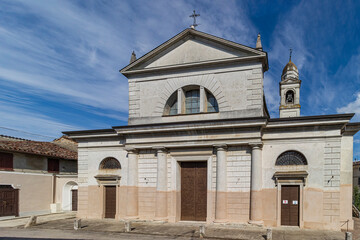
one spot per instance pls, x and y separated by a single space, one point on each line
47 149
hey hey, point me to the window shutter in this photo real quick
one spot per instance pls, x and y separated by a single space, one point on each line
53 165
6 161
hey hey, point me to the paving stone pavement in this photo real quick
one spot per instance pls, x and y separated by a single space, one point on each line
21 221
115 229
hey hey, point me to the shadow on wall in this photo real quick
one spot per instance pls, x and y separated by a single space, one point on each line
67 195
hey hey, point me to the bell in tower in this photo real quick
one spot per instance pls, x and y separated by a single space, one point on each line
290 91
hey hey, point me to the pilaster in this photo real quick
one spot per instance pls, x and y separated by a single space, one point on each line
132 188
221 188
161 184
256 184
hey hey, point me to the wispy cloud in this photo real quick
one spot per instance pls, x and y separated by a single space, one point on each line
60 59
69 52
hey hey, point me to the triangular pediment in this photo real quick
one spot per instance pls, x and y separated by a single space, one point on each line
192 47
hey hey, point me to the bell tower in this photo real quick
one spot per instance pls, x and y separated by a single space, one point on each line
290 91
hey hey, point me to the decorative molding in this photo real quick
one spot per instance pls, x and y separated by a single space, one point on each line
207 81
108 179
290 177
131 150
255 145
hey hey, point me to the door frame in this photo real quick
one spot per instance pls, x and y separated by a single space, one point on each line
17 198
301 191
104 200
194 162
175 213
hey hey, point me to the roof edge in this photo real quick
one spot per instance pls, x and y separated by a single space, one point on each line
186 32
323 117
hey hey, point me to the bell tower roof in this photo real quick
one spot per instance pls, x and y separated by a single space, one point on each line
290 72
290 66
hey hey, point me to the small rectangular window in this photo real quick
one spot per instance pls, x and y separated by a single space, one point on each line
6 161
359 181
53 165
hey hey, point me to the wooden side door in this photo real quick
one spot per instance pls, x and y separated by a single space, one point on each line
193 191
290 201
110 201
9 202
74 199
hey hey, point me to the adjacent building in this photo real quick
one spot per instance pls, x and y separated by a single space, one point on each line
37 177
356 173
200 144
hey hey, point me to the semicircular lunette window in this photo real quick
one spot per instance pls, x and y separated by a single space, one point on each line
171 107
291 158
110 163
212 105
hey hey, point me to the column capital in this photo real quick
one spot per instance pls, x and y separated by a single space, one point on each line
220 147
256 145
160 149
131 150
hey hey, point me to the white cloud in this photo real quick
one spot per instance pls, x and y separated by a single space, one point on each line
352 107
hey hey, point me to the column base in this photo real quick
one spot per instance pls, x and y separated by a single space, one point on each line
131 217
161 219
220 221
256 223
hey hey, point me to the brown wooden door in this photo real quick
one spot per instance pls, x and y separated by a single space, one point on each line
193 191
290 205
9 201
74 199
110 201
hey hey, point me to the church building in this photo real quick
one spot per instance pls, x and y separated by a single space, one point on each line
200 144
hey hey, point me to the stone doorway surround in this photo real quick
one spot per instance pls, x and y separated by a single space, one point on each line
108 180
295 178
176 173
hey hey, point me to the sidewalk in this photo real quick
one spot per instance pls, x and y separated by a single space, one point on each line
159 230
191 230
21 221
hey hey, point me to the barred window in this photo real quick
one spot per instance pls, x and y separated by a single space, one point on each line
110 163
291 158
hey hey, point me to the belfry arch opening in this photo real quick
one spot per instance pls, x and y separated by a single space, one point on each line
289 97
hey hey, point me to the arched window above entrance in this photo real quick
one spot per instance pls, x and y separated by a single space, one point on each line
291 158
110 163
191 99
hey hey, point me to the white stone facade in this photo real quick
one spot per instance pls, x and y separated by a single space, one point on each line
239 143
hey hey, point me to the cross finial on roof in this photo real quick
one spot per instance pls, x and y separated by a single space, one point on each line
133 57
290 54
194 15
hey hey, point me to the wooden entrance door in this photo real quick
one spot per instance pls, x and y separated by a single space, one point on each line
290 205
110 201
193 191
74 199
9 201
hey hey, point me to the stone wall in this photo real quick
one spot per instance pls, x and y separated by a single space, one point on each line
238 90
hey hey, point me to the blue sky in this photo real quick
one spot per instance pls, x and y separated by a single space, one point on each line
60 60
